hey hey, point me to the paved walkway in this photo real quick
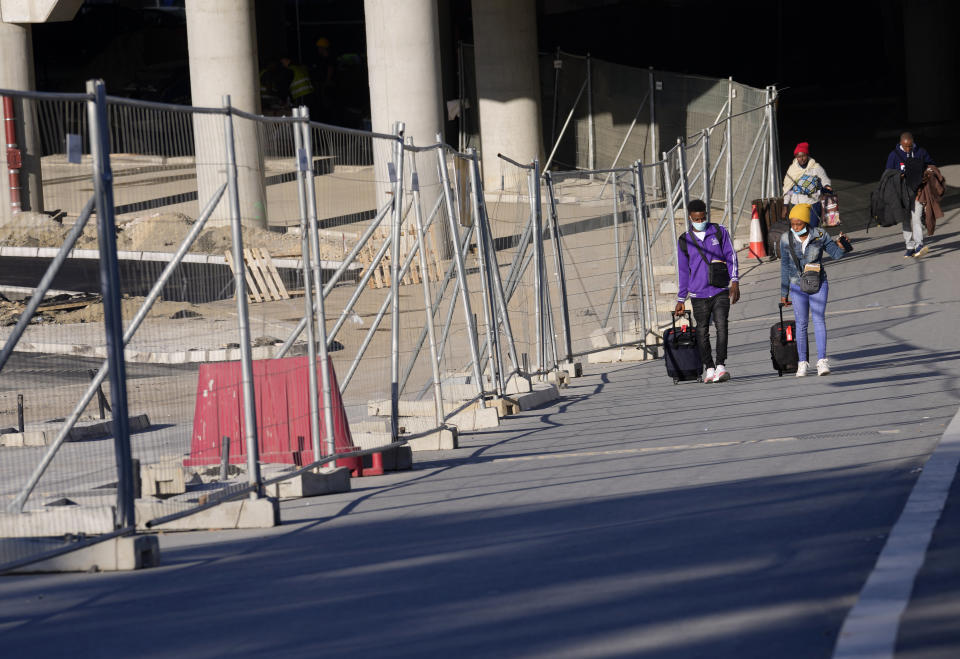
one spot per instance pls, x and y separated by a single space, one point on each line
633 518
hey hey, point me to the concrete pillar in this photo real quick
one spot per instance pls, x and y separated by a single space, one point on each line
16 73
403 62
222 45
508 84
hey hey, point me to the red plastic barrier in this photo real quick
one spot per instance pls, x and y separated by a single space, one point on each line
283 414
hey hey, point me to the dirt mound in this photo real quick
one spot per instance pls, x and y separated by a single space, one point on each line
160 232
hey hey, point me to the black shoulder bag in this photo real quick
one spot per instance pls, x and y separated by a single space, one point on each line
718 274
809 280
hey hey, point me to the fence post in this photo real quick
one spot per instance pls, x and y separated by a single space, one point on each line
313 392
705 152
668 188
652 86
684 190
729 169
398 157
561 272
493 344
616 251
591 141
243 318
648 282
425 285
774 145
110 290
461 271
496 282
319 310
533 185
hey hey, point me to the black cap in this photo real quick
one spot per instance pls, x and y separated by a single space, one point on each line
697 206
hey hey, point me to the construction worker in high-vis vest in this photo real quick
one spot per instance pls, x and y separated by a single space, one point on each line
301 91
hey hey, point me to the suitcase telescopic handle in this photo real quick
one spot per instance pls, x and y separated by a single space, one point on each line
783 330
673 323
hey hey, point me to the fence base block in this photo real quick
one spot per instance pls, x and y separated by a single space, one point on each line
538 397
445 439
505 406
58 520
312 484
625 354
128 553
243 514
573 369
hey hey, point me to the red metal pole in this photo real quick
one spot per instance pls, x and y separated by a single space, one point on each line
14 161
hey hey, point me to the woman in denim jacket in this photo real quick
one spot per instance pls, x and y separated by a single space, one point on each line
808 246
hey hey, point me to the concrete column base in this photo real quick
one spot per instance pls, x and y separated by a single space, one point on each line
243 514
127 553
311 484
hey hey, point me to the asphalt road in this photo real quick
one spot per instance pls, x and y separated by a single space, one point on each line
632 518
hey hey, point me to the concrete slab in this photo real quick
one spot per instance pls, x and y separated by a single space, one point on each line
127 553
243 514
311 484
57 521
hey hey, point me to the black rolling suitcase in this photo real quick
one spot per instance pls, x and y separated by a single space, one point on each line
681 352
783 346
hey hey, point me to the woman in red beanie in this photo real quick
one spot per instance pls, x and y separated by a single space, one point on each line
804 183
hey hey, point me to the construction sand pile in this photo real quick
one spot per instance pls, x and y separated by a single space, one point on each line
160 232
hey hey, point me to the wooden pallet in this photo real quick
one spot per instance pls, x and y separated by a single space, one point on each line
381 273
263 280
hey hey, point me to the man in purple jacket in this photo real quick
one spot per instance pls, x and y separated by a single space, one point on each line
703 244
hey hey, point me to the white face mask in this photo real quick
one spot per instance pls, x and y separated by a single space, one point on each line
800 232
699 226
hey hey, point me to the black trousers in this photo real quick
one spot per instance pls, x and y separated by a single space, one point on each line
716 308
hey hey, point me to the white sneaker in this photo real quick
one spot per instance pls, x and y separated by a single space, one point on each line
722 374
802 368
823 368
709 375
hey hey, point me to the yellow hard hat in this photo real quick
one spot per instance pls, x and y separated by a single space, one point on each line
323 42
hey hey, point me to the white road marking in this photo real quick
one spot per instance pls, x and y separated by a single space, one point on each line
871 626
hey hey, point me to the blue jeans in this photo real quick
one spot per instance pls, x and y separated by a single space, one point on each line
803 305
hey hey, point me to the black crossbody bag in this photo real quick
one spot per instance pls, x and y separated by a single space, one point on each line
809 280
718 274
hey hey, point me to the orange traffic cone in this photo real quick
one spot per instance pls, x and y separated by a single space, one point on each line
757 249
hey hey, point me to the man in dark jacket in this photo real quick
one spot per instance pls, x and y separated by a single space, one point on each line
911 161
907 150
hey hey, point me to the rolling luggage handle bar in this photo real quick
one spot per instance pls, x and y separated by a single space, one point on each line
673 324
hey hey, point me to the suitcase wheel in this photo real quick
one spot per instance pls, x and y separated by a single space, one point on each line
779 373
675 380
